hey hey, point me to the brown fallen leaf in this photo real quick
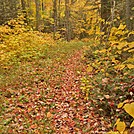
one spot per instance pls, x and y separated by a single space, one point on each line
49 115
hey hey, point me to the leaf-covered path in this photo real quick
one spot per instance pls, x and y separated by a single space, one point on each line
54 105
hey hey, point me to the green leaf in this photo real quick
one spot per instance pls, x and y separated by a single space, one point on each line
7 121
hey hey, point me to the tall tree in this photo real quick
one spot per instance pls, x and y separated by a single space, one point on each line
23 5
29 5
55 18
38 14
59 13
67 20
105 14
130 17
43 5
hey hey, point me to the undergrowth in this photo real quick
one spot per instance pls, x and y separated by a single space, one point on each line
22 48
110 77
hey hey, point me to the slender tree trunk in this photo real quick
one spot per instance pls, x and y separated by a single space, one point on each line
55 18
59 13
130 17
67 20
105 14
38 15
43 6
113 11
106 17
23 5
29 7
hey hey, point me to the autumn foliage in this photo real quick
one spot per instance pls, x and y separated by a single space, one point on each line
49 85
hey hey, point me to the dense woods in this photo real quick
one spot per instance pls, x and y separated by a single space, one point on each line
67 66
70 19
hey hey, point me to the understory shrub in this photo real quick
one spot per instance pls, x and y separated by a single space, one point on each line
110 77
18 43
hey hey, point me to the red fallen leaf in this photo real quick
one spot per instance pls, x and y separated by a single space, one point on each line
38 117
92 113
10 131
33 126
38 90
111 104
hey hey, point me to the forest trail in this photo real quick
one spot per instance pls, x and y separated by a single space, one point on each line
72 112
50 100
56 106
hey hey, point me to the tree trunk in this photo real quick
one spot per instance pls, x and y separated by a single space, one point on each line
55 18
130 17
105 14
67 20
43 5
59 13
113 11
38 15
23 6
29 8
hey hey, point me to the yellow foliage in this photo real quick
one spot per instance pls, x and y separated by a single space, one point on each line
103 51
121 45
129 108
89 68
119 67
120 126
120 105
130 66
122 27
18 43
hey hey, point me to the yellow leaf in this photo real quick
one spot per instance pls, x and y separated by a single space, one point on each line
121 126
130 60
125 132
129 108
131 45
130 66
103 51
114 61
132 50
102 70
120 67
132 124
120 105
121 45
121 27
118 120
89 68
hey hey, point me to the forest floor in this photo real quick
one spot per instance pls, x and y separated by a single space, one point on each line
45 96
